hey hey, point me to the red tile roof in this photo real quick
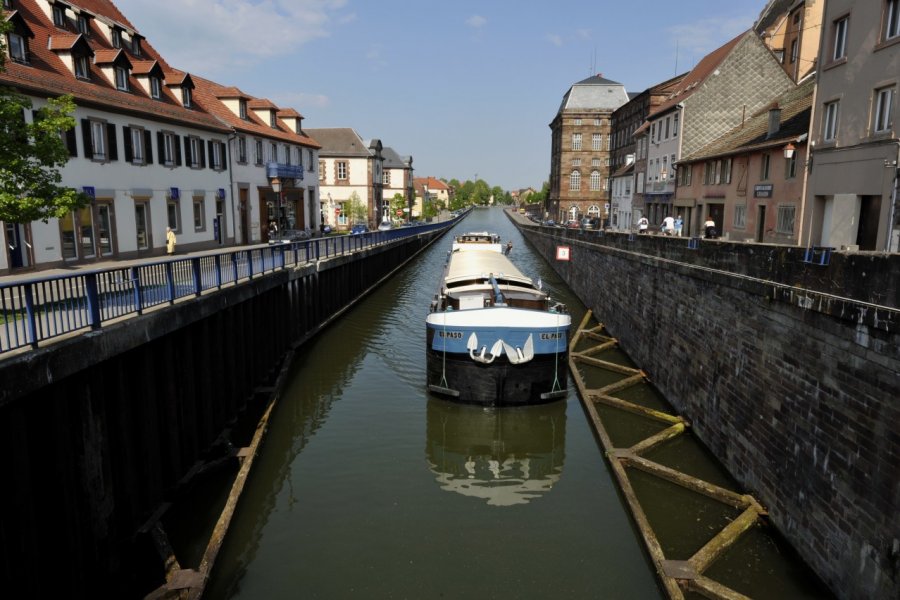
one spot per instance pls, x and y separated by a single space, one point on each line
261 103
209 93
47 75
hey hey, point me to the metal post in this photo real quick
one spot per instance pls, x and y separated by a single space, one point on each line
136 290
93 299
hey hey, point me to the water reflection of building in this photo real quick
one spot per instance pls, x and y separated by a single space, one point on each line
505 456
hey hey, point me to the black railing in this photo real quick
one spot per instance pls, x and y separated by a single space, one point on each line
38 309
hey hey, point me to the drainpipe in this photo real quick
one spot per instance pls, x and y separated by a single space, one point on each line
890 224
231 137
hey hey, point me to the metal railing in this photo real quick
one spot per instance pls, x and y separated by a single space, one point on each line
38 309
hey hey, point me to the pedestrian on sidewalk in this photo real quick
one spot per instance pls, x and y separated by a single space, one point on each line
170 241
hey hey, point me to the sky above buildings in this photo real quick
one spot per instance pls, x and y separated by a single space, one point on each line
466 87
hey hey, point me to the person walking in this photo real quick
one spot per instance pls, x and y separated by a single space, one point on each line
668 225
710 227
679 225
170 241
643 224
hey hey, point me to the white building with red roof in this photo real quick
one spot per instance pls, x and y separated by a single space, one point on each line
154 147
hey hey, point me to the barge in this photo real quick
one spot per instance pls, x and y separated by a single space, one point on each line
494 336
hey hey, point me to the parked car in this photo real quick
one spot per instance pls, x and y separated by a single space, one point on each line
358 228
573 224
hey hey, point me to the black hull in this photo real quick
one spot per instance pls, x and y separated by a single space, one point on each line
461 379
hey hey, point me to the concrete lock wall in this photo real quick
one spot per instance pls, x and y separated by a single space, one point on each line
98 429
789 371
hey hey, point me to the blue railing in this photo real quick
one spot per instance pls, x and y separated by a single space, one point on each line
38 309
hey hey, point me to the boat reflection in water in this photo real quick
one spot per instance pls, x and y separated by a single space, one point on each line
505 456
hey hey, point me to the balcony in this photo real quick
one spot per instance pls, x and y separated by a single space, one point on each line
283 171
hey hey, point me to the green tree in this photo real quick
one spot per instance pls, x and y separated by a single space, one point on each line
30 156
398 202
356 209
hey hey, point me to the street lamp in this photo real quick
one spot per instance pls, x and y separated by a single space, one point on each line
789 151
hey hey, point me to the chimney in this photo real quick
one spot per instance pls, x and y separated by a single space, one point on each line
774 120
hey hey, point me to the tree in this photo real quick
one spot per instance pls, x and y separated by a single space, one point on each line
30 156
398 203
357 210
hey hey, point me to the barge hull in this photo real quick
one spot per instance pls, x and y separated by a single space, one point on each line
541 380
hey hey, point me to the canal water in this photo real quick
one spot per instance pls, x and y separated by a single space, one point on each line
368 487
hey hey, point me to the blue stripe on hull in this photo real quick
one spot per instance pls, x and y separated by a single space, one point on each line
455 339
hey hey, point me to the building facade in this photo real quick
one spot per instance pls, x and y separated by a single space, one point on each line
625 121
791 29
153 147
273 164
717 95
852 191
755 175
398 182
580 162
350 169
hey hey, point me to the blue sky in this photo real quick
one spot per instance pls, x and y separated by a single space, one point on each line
465 87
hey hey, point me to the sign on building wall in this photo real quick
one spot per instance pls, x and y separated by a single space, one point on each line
762 190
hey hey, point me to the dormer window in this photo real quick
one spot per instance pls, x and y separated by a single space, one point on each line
18 50
7 4
155 88
59 15
115 37
122 79
186 97
242 109
273 120
84 25
136 45
82 68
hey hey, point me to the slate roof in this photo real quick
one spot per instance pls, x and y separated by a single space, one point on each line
624 170
47 75
594 93
691 82
392 160
339 142
701 73
795 105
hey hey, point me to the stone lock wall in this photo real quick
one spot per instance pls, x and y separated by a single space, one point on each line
788 370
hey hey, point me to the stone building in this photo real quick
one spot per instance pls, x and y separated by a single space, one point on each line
580 161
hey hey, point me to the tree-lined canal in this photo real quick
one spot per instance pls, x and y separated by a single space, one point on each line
368 487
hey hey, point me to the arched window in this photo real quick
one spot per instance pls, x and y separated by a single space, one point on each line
595 181
575 181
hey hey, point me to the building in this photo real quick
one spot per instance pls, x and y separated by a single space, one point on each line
398 181
580 163
147 154
718 94
268 150
755 175
621 215
430 189
853 179
154 147
629 150
791 29
348 166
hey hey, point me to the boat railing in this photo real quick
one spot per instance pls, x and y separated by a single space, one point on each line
38 309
